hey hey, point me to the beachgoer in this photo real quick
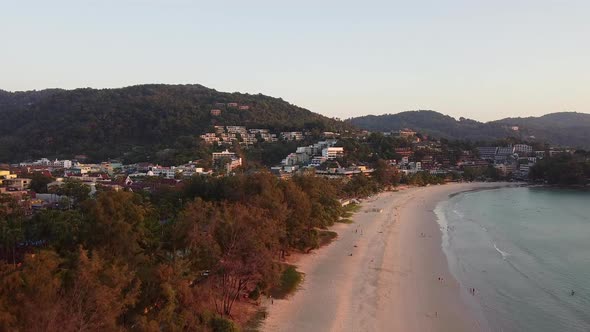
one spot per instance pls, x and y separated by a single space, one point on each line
573 292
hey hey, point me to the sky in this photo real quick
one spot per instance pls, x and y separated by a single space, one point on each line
480 59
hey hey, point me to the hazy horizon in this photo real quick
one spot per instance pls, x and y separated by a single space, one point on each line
483 61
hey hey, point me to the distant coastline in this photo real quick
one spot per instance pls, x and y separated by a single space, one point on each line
497 185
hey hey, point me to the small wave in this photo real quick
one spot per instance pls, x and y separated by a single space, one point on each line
503 253
457 213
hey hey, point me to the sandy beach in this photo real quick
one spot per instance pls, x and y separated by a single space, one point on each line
391 281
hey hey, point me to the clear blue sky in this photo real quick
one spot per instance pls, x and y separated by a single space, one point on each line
473 58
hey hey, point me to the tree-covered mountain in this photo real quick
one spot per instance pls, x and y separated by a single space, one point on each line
567 128
107 123
563 128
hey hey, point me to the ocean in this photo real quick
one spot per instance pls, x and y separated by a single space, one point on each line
524 250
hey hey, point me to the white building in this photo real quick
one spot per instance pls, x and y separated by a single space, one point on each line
523 149
224 154
331 153
292 135
167 172
236 130
233 163
63 163
418 166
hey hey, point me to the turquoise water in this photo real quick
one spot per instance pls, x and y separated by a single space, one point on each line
524 250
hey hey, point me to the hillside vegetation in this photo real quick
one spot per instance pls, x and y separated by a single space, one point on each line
142 119
567 128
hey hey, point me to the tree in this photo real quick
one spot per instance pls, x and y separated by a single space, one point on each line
60 229
323 194
11 227
562 169
117 225
39 182
99 294
74 189
247 241
385 174
360 186
49 294
297 233
236 242
30 297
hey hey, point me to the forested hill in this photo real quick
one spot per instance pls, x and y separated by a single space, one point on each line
563 128
103 123
567 128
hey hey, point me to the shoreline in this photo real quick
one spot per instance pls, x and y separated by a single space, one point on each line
390 283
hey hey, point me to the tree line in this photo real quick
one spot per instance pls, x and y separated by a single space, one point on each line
563 169
175 259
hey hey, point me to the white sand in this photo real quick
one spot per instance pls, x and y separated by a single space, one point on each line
391 281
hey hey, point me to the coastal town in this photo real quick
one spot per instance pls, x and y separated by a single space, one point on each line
266 166
35 184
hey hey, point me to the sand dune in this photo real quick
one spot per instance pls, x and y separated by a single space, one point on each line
390 283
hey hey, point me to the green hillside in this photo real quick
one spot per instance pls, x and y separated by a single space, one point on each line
109 123
568 128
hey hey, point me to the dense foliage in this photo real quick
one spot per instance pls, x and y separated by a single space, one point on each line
566 128
563 169
139 122
175 259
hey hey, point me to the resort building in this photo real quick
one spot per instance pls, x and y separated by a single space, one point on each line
331 153
523 149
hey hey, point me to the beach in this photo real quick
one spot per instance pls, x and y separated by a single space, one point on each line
397 278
